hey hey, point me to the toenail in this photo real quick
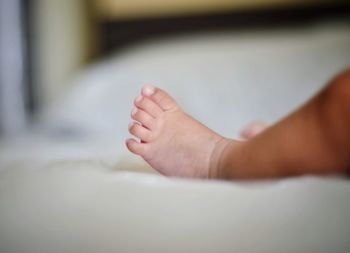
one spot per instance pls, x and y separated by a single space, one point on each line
138 99
148 90
133 112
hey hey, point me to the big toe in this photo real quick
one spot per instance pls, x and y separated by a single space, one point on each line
163 99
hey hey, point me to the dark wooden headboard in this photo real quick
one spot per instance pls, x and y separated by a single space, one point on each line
116 34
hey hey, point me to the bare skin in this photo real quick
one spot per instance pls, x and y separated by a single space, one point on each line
313 140
253 129
170 138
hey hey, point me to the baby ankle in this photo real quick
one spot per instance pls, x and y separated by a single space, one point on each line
217 159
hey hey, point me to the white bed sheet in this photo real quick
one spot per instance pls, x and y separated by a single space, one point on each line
84 207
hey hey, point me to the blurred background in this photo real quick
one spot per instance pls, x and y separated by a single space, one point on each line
69 70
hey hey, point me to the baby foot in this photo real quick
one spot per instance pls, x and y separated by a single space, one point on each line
171 141
253 129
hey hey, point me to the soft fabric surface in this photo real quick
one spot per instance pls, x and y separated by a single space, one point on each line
86 207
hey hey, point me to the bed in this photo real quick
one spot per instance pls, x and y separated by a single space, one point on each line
69 185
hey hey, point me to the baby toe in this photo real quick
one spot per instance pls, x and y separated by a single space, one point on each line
140 132
136 147
143 117
148 106
160 97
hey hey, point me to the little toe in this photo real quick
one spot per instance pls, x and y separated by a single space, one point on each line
140 132
148 106
136 147
160 97
143 117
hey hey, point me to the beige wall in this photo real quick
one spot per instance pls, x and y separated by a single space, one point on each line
61 44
